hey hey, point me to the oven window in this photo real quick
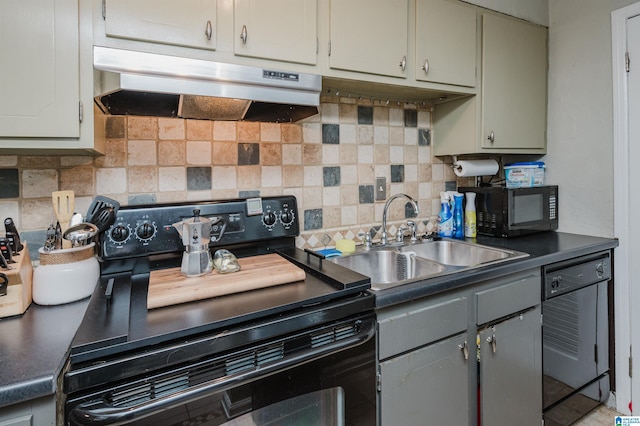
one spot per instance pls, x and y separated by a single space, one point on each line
527 208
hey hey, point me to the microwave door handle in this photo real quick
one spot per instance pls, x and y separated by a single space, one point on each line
102 413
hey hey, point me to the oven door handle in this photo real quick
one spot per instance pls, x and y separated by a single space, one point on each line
100 412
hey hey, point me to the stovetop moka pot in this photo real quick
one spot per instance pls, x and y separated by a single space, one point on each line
196 234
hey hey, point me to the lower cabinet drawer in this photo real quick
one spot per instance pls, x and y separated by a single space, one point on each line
517 293
414 324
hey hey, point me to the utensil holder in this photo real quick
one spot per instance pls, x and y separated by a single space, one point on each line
66 275
18 297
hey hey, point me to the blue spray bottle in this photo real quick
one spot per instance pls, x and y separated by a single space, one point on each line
458 216
445 217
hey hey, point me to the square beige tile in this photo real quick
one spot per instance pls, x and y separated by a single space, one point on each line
142 127
171 128
224 130
172 153
248 131
225 153
141 153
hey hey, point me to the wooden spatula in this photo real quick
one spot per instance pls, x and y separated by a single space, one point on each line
63 208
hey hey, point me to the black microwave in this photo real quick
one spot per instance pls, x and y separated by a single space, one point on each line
510 212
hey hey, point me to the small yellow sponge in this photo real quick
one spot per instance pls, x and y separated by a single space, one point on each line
346 246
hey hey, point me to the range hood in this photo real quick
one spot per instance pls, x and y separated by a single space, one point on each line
138 83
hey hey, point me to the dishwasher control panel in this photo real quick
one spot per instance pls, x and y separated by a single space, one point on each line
564 277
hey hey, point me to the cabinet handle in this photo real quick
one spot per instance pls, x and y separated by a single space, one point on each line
492 137
403 63
425 67
243 34
492 341
208 30
465 350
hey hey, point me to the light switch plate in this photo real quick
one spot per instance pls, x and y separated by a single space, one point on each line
381 189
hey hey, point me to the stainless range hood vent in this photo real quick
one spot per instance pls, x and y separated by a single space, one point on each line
138 83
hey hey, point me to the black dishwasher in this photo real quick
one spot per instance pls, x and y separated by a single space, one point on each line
575 330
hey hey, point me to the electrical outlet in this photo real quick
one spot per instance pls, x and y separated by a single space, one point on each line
381 189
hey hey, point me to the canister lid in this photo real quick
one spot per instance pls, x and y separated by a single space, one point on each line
527 164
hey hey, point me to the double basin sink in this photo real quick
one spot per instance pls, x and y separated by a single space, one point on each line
396 264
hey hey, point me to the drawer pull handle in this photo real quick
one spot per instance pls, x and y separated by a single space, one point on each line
243 34
465 350
403 63
492 341
425 67
208 32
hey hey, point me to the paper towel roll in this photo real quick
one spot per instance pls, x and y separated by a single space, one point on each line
464 168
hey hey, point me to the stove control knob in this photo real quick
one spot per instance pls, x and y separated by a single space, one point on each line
287 217
269 219
119 234
145 231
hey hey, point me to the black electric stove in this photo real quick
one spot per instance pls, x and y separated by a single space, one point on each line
119 337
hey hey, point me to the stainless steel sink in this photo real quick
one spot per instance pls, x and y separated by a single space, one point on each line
459 253
396 264
389 266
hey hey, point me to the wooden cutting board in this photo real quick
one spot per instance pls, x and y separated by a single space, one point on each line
170 287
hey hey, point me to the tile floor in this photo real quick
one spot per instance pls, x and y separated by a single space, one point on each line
603 416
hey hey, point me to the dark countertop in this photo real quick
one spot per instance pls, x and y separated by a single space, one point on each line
543 248
35 345
33 349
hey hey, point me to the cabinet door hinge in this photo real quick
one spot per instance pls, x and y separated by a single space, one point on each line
329 47
80 111
104 9
627 61
630 366
379 382
595 353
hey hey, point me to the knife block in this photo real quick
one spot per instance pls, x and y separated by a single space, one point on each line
19 295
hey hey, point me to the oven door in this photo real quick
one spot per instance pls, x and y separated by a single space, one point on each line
319 376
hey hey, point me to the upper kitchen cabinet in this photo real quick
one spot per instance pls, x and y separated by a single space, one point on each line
509 115
369 36
445 42
39 89
514 83
45 87
282 30
190 23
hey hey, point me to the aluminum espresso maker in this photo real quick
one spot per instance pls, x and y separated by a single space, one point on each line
195 233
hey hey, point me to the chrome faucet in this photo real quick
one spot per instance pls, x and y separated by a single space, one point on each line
384 238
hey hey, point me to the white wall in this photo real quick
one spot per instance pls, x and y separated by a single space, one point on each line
580 113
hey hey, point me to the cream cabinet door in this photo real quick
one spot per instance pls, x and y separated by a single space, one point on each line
190 23
445 42
369 36
514 83
39 76
283 30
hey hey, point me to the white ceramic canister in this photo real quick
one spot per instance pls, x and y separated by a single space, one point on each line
65 275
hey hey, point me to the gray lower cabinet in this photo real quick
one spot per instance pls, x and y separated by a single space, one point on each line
511 371
436 355
419 385
37 412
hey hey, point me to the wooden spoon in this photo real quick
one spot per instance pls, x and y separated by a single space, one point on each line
63 207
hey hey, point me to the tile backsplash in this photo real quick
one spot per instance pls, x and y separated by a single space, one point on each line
331 162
